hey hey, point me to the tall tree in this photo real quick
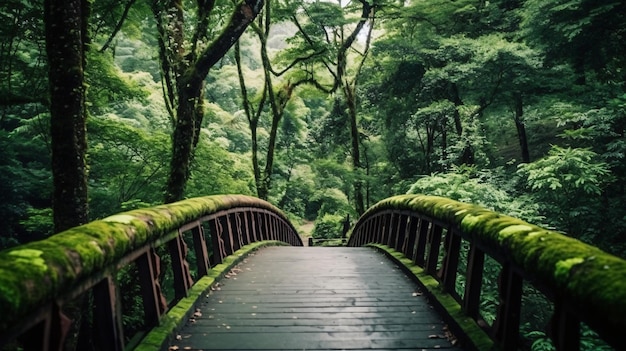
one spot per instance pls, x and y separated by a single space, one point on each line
334 29
66 43
274 98
185 64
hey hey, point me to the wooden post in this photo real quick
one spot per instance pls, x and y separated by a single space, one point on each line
247 224
200 248
506 325
391 237
107 321
401 229
379 227
474 280
226 235
252 226
451 261
565 328
434 243
422 237
180 267
411 235
230 241
215 228
154 303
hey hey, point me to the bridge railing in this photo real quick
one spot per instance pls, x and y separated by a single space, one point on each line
39 281
583 283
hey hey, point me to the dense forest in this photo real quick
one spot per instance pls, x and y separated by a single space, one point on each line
320 107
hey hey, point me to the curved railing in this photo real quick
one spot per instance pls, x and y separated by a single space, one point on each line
584 283
40 279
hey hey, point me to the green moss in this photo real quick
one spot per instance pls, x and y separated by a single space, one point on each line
563 267
35 273
29 257
588 277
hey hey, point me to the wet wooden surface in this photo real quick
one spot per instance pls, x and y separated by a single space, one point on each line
315 298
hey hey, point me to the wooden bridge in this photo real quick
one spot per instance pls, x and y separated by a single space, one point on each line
421 284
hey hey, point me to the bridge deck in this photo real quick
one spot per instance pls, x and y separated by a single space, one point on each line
313 298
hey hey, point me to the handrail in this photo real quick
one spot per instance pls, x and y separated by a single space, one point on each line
37 279
584 283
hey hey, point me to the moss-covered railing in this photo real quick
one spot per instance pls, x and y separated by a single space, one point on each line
39 280
427 234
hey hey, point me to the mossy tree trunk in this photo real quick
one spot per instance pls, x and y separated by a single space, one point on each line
66 39
185 66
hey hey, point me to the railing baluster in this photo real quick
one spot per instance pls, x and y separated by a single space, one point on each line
434 244
369 225
274 228
451 260
200 248
180 267
215 227
401 230
107 316
474 280
154 303
247 226
381 226
226 234
391 230
263 226
411 235
253 226
565 328
230 234
422 236
506 326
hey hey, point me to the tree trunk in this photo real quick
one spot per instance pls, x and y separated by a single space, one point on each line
355 151
183 141
467 155
190 74
521 128
66 39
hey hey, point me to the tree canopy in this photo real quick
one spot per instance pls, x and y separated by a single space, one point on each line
323 107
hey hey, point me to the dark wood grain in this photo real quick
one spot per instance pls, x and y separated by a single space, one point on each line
315 298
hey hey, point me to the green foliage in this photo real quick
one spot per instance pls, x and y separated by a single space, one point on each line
585 33
108 85
127 165
218 171
572 172
296 198
333 201
38 221
328 226
567 184
477 187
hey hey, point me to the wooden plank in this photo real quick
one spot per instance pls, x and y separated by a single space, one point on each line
315 298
